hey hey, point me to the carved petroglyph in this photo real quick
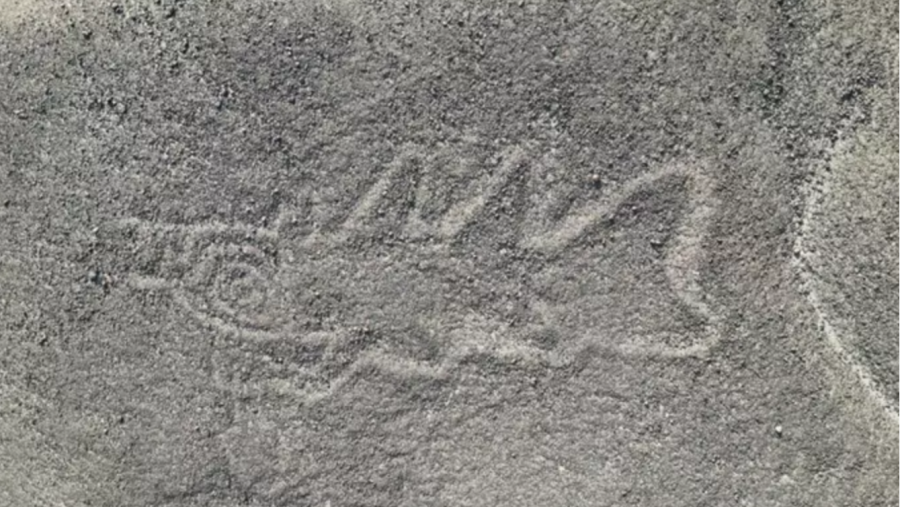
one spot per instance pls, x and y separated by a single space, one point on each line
224 275
236 279
453 220
683 259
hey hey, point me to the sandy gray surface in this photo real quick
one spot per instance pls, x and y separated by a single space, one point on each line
442 253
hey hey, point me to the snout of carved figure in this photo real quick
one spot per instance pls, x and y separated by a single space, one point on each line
226 276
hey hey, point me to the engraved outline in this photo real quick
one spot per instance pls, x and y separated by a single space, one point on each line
479 334
682 261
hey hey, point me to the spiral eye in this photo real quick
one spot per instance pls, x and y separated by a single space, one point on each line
232 283
240 288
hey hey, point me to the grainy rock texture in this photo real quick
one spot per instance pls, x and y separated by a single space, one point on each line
384 253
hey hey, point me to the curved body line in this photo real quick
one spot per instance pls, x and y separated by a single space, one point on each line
858 371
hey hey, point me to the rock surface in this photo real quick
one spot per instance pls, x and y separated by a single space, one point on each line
448 253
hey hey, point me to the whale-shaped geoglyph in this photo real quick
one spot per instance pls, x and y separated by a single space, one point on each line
257 285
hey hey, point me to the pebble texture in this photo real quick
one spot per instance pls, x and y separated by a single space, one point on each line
384 253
